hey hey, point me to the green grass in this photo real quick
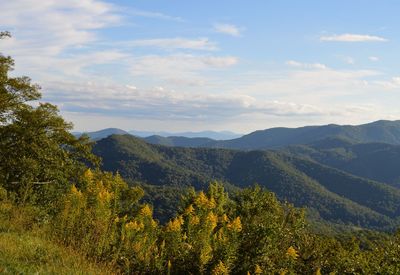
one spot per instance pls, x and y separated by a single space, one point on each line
26 253
25 249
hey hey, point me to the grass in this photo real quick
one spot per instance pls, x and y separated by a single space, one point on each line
25 251
29 254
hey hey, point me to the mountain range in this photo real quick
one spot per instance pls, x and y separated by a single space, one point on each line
342 174
209 135
382 131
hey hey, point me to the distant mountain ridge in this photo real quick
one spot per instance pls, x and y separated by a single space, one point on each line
379 131
102 133
216 135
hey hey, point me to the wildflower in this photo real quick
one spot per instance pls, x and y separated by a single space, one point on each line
189 209
212 219
220 269
258 270
105 196
292 253
134 225
195 220
88 174
202 199
235 225
225 218
75 191
146 211
211 203
175 224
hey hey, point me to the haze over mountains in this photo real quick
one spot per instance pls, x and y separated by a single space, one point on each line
212 135
383 131
342 174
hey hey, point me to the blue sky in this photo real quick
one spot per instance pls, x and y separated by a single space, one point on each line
209 65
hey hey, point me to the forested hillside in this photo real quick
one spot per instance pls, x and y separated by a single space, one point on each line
335 195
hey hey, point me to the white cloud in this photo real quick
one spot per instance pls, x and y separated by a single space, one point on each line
373 58
228 29
296 64
348 37
163 104
155 15
393 83
349 60
173 43
179 67
48 35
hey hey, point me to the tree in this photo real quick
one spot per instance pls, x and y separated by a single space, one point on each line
38 154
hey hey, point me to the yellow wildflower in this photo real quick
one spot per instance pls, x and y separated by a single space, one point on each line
202 199
235 225
175 224
225 218
292 253
146 211
134 225
318 272
220 269
189 209
75 191
195 220
258 270
105 196
88 174
212 219
211 203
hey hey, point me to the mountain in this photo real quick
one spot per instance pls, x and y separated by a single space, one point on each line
376 161
216 135
380 131
329 193
179 141
102 133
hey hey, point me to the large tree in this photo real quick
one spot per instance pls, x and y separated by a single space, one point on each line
37 150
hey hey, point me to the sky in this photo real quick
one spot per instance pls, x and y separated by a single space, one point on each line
179 65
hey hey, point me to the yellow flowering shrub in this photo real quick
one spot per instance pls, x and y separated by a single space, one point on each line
175 224
212 219
134 225
189 209
292 253
220 269
195 220
235 225
146 211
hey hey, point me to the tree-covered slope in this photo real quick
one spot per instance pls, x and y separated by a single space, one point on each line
379 131
179 141
376 161
299 181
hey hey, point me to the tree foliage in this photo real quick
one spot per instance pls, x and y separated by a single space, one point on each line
37 152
